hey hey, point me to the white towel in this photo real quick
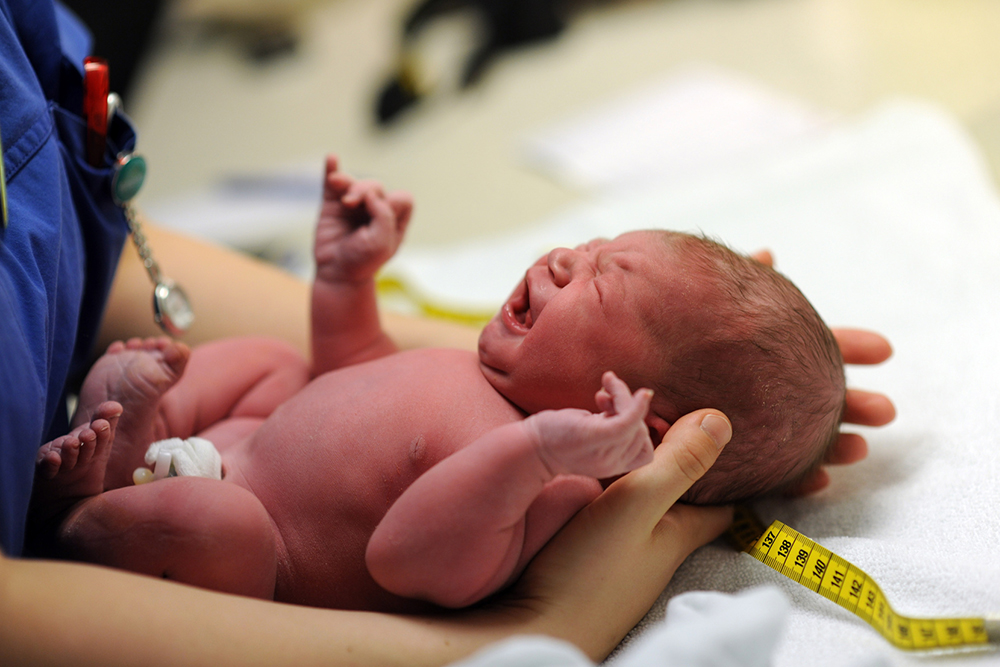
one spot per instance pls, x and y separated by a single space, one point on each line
700 631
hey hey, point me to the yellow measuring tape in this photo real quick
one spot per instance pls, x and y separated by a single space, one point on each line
388 286
802 560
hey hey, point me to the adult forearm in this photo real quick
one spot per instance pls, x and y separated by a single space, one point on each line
67 613
232 293
235 294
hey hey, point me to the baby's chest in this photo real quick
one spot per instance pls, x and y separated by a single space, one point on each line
357 439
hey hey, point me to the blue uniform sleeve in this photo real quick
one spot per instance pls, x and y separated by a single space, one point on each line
60 249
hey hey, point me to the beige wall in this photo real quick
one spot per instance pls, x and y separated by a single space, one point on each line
203 110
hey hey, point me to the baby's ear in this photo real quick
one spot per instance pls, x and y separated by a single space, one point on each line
658 428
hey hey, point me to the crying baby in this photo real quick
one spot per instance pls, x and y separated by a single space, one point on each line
385 480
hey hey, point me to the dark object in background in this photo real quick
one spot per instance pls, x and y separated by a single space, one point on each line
507 24
122 32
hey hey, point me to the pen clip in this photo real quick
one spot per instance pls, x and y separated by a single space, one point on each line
95 107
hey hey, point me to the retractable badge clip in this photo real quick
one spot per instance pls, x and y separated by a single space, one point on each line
171 309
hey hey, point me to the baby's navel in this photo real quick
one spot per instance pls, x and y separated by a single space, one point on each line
418 449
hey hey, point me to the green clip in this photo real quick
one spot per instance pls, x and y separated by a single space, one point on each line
130 172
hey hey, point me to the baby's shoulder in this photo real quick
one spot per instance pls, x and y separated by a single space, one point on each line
446 375
438 361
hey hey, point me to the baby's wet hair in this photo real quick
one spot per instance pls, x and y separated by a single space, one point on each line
759 352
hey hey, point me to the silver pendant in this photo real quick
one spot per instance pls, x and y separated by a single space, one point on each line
171 308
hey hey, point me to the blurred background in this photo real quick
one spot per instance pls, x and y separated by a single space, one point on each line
240 99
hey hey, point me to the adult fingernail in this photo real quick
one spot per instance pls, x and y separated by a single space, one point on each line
718 429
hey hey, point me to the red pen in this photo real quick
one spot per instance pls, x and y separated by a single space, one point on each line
95 107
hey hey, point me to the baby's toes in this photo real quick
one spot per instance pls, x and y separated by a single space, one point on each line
49 458
69 451
104 431
85 451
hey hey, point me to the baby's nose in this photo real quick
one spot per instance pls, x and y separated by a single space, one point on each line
561 261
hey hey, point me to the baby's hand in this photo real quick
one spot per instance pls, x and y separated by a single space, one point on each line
597 445
360 227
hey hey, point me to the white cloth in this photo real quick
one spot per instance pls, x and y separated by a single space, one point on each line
698 632
890 222
692 120
193 457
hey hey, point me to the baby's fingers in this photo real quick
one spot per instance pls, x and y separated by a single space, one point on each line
604 402
360 190
383 220
337 185
402 206
643 453
624 402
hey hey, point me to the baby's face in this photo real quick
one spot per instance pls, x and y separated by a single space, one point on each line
576 314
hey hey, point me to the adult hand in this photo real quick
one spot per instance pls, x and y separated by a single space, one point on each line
861 407
603 571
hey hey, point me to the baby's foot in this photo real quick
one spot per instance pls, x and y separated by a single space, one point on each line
135 374
71 468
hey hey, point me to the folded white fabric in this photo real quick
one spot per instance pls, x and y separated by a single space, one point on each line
701 630
193 457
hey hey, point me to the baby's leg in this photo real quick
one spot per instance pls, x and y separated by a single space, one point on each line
69 470
197 531
166 395
233 378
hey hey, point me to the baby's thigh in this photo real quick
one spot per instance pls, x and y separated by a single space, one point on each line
233 378
197 531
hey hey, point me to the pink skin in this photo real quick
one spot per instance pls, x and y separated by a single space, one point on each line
387 478
135 374
335 482
579 442
71 468
359 229
578 313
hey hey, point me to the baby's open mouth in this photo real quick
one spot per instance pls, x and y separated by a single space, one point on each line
519 308
522 309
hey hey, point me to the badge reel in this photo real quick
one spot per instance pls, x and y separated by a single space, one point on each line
171 308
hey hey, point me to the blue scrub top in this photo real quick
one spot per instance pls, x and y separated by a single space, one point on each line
60 249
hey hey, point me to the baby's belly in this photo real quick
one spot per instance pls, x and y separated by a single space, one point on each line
329 463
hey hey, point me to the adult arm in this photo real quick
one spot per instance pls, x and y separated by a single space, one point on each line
589 586
234 294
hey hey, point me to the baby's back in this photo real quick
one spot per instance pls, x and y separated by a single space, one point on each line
329 463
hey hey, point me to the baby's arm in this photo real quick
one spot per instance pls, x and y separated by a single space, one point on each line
359 229
470 524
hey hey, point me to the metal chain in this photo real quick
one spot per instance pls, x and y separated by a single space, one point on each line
142 245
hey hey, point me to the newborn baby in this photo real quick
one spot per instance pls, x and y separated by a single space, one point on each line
383 480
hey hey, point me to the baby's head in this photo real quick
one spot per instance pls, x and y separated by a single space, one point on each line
696 322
